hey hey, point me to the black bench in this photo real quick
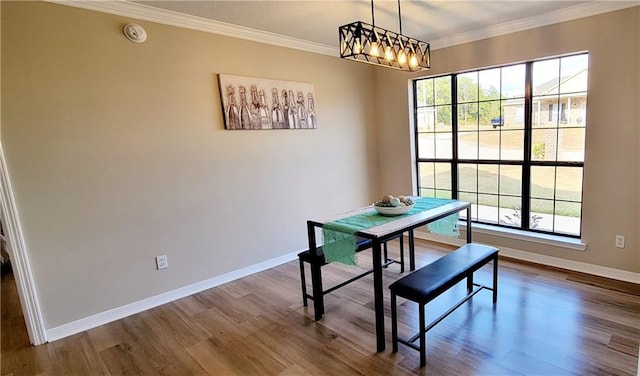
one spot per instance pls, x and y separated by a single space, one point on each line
319 261
428 282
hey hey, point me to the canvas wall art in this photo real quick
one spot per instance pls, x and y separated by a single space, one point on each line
258 103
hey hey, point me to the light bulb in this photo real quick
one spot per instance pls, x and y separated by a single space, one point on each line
388 53
402 57
357 47
413 61
374 49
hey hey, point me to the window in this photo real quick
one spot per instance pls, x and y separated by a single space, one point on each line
510 140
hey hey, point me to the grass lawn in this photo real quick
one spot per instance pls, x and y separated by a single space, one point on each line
548 183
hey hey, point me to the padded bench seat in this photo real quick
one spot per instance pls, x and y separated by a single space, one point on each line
318 260
428 282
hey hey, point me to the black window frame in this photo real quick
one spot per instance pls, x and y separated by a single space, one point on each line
527 162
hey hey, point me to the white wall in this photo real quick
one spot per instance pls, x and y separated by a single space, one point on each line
611 202
117 153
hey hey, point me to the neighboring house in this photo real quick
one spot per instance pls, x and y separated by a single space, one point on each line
556 104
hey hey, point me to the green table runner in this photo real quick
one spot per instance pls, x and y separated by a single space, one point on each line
340 240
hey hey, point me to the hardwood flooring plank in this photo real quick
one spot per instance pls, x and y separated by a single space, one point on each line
191 305
547 321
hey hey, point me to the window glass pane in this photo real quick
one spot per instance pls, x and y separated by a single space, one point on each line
569 183
443 146
473 199
443 119
545 112
489 147
488 179
513 81
421 99
428 93
489 84
427 174
543 182
468 145
511 180
468 87
443 194
567 209
509 211
576 110
546 77
468 177
424 192
490 115
443 176
488 208
543 144
567 218
426 119
574 73
541 215
571 144
442 90
513 114
468 116
511 145
426 145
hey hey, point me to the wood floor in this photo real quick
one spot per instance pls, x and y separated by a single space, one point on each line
546 322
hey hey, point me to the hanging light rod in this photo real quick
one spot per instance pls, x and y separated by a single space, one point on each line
367 43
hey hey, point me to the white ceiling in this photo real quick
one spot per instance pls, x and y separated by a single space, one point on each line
312 25
440 22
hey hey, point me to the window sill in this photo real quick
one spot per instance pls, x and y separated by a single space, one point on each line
554 240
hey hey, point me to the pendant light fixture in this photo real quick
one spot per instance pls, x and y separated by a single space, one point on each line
374 45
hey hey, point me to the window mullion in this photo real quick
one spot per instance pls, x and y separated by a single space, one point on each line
416 134
454 136
526 166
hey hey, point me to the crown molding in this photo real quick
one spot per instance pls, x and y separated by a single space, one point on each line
168 17
575 12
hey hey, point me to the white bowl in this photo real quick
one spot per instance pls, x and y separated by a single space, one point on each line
393 210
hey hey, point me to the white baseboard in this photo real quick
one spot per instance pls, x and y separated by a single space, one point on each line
114 314
118 313
577 266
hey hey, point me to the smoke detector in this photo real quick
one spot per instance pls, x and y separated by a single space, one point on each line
135 33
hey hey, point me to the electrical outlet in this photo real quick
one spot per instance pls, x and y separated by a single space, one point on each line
619 241
162 262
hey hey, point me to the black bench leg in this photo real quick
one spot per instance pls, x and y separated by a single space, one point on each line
423 338
470 283
495 279
394 323
303 281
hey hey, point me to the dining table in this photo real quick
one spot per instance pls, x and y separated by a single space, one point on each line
378 235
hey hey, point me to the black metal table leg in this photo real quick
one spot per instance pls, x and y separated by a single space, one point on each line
316 274
412 253
469 224
495 279
378 294
401 239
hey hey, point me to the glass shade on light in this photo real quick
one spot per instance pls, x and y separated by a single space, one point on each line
364 42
